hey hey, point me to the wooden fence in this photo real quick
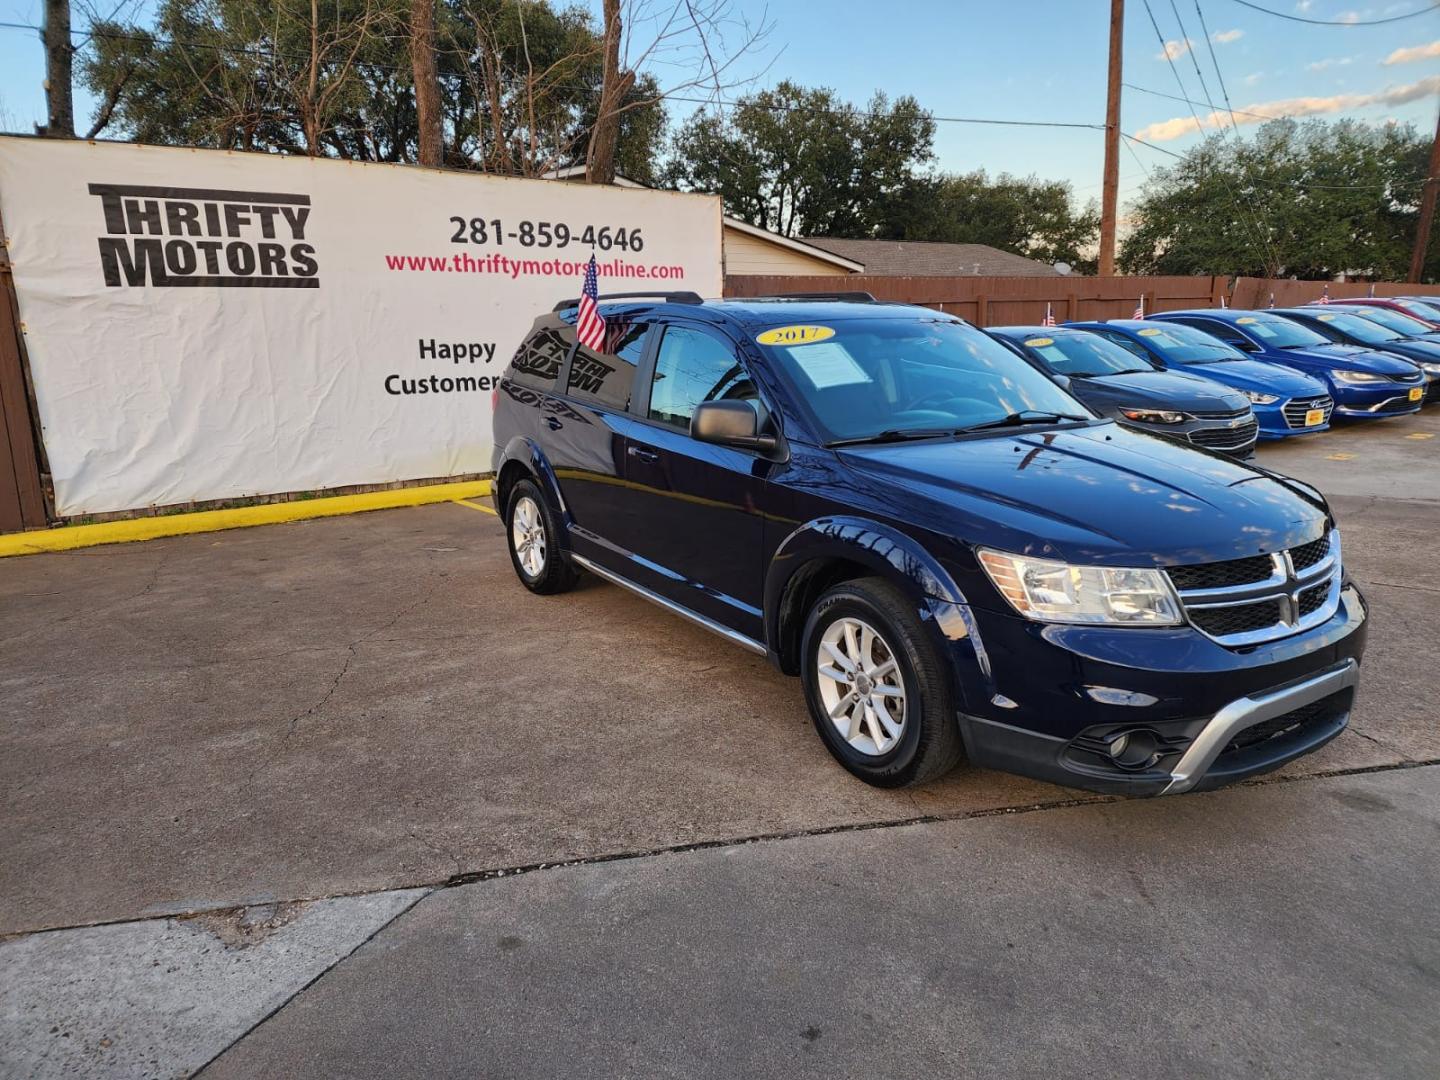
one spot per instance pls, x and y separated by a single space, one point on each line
1007 301
22 496
1021 301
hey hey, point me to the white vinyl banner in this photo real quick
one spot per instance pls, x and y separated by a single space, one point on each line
207 325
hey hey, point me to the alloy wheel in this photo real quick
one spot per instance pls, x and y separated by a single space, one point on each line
527 534
860 686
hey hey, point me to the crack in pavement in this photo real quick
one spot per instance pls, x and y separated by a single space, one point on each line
472 876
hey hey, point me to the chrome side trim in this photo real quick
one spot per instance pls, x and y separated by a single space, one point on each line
1249 711
733 636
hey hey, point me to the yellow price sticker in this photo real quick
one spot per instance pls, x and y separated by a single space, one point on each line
1040 342
1417 393
1151 332
1314 417
795 335
1246 320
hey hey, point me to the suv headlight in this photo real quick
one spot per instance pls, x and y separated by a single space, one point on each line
1154 416
1432 369
1260 399
1051 591
1357 376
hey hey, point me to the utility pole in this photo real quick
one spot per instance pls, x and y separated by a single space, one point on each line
1111 192
427 85
1427 210
59 95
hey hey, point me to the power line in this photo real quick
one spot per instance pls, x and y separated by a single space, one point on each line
1187 101
1338 22
1215 63
1253 223
810 109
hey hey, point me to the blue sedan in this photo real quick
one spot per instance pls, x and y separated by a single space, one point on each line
1285 402
1366 384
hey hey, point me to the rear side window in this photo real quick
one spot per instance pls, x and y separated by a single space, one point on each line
537 364
693 366
607 377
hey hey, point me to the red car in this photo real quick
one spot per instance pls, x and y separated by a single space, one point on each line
1426 310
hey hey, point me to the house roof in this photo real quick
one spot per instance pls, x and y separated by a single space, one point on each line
922 258
805 247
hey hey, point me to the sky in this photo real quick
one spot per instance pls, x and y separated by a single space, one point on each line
1030 60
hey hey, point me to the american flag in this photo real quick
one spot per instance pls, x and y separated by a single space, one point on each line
1272 299
1139 308
1049 317
1223 304
1325 295
589 323
1372 290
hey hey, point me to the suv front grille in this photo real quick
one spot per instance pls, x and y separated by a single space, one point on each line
1247 601
1218 575
1295 410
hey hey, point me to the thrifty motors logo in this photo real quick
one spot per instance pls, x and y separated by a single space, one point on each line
198 237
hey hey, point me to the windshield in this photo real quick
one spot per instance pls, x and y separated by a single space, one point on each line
1393 320
1360 329
1422 310
864 378
1186 345
1280 333
1081 355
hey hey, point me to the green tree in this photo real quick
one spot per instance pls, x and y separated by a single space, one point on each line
799 161
1310 200
1029 216
518 80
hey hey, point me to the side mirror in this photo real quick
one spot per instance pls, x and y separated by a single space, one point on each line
730 423
1062 381
1244 345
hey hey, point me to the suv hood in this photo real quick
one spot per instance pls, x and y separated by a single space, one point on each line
1351 358
1101 494
1164 389
1260 376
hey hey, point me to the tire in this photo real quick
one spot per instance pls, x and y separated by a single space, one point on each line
539 564
919 744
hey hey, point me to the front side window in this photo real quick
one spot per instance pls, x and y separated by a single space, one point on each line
607 377
693 366
876 377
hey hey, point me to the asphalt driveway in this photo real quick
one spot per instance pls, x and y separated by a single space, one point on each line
213 741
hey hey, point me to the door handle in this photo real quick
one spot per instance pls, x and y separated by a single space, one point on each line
643 454
553 423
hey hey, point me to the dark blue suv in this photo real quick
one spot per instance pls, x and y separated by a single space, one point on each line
952 553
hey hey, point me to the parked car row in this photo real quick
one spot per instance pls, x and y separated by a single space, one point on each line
1223 378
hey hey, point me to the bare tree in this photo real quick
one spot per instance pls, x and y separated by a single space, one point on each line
59 52
704 38
427 83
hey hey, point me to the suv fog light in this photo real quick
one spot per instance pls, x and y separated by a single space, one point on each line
1134 749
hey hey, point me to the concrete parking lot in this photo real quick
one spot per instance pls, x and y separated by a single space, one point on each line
341 798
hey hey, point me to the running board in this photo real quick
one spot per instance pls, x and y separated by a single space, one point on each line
732 636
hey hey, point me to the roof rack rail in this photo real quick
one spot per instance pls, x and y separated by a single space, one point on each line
842 297
668 297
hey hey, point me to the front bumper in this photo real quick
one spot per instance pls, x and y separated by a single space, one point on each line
1048 701
1273 424
1385 400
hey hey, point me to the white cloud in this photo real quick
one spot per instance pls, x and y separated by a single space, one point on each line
1409 56
1303 6
1329 62
1348 17
1180 126
1174 50
1224 37
1253 78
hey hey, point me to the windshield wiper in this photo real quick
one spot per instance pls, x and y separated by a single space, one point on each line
1020 419
893 435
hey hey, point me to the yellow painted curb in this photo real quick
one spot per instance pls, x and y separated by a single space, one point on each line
69 537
